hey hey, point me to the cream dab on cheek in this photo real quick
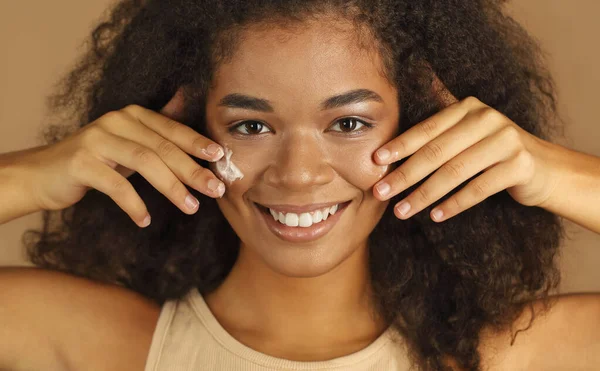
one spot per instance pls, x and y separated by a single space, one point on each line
226 169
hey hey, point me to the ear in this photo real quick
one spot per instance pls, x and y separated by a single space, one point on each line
441 91
174 109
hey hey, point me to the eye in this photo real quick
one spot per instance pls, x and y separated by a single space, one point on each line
250 128
350 125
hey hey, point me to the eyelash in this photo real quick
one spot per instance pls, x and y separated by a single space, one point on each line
365 126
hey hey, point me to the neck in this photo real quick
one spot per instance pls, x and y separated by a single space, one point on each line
305 317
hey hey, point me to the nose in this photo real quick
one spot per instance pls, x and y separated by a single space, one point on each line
300 164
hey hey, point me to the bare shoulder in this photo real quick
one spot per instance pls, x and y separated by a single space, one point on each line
566 337
57 321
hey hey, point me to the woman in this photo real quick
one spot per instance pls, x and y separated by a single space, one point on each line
314 123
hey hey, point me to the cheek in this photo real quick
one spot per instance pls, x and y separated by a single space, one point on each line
355 164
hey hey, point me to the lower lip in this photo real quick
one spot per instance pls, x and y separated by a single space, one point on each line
302 234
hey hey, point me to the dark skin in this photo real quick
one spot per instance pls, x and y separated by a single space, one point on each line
301 155
324 282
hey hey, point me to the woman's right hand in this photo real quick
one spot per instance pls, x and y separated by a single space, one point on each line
104 153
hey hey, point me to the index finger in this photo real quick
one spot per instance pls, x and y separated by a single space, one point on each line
416 137
166 124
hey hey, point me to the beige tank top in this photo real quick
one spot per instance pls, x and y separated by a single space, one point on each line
189 337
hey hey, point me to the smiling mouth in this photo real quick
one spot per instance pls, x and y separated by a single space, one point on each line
304 219
309 225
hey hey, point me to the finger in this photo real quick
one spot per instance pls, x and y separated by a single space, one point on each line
489 183
399 148
444 95
146 162
174 110
183 136
480 157
99 176
437 152
186 169
416 137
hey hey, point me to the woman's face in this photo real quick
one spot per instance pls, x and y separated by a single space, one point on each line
303 112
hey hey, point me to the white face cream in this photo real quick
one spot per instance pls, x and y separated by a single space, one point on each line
226 169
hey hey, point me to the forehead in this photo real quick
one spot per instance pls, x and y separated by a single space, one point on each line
322 55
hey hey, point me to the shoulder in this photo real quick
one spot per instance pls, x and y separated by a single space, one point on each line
77 317
567 336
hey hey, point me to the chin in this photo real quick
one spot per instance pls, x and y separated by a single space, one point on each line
294 261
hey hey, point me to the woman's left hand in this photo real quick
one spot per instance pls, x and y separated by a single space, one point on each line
460 141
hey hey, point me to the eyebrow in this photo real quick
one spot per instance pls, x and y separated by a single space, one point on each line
248 102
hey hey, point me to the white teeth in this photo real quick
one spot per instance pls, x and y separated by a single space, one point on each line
333 209
291 220
304 220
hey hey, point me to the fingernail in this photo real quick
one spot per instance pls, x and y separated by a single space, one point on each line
383 154
216 186
215 150
437 214
146 221
191 202
403 208
383 189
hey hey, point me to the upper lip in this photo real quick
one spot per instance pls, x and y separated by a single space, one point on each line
296 209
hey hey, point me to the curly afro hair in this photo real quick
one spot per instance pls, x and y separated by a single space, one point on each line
438 284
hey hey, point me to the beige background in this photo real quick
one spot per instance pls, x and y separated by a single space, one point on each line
40 39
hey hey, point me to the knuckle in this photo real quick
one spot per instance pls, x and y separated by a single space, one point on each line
92 135
480 188
510 134
176 187
110 118
198 174
424 195
525 160
433 152
166 148
400 176
454 203
171 125
131 108
142 155
489 115
429 128
112 115
472 101
119 185
454 169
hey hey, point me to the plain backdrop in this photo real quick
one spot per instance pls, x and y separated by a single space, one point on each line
39 41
